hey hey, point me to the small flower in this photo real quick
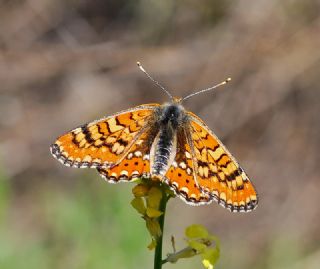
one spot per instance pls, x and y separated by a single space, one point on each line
152 245
198 246
148 195
154 198
140 190
210 257
184 253
153 213
199 243
153 227
196 231
138 204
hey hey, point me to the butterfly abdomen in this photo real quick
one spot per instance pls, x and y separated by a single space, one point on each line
164 147
163 151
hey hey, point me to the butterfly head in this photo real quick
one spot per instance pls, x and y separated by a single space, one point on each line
172 113
177 100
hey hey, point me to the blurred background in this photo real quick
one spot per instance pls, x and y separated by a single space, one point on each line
64 63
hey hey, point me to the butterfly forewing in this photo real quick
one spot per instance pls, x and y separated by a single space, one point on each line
105 142
218 173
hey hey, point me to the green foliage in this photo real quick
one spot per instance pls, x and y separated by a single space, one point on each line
89 227
4 197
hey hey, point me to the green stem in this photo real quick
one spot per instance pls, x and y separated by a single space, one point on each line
158 251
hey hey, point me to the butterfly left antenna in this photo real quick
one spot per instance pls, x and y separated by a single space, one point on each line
156 82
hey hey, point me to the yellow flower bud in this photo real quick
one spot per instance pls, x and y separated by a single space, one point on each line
140 190
152 245
153 213
138 204
153 227
154 197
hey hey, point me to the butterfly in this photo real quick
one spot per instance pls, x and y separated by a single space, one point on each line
161 142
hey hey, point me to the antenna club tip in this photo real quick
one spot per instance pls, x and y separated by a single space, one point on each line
138 63
228 79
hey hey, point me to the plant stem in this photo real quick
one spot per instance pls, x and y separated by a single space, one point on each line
158 251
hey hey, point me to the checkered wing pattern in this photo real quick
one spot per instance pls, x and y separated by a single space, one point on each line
181 176
105 143
218 173
135 164
204 171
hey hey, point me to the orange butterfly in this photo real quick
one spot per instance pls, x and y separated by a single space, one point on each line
165 143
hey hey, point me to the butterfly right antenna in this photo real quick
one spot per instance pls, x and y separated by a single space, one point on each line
156 82
206 90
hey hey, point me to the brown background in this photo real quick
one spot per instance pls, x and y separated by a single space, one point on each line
63 63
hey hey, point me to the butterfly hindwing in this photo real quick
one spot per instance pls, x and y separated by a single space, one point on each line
218 173
102 143
180 176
